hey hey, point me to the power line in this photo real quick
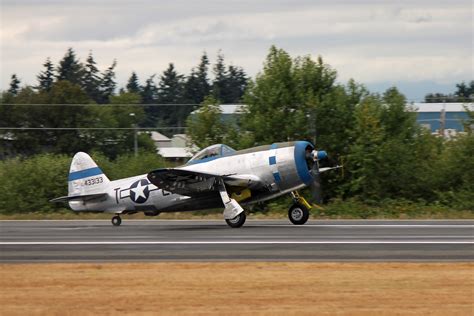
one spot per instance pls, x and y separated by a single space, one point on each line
427 120
197 104
89 128
100 105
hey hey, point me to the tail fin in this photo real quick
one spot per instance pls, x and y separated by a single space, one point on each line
85 177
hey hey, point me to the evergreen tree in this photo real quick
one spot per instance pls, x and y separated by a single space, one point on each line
191 88
70 68
108 84
219 85
202 79
197 85
46 77
91 79
235 86
14 85
149 95
170 87
150 91
133 86
229 83
170 91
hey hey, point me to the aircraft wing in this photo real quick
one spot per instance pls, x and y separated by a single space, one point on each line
191 183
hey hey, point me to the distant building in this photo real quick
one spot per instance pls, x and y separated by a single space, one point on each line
160 140
229 112
176 148
448 117
180 140
429 115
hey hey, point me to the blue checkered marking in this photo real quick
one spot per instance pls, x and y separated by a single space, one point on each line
272 160
277 177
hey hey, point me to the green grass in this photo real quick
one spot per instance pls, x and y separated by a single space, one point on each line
337 209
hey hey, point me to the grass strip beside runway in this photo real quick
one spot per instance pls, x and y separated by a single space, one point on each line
238 288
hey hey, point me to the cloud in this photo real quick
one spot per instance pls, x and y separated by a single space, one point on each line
370 41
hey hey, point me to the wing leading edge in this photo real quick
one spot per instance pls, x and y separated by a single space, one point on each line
192 183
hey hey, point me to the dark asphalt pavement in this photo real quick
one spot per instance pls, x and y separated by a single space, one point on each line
195 240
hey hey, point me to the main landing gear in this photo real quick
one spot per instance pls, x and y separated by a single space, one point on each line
299 211
116 220
237 221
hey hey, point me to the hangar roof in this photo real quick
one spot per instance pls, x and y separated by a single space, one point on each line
437 107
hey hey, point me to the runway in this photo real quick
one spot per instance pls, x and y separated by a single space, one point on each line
203 240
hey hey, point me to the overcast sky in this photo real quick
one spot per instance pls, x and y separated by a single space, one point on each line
419 45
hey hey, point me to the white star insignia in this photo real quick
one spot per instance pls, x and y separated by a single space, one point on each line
139 191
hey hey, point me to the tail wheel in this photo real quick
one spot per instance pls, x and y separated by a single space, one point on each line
298 214
116 220
237 221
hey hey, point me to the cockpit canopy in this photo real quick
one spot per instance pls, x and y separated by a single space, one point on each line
218 150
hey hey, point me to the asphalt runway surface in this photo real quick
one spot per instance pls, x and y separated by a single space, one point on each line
258 240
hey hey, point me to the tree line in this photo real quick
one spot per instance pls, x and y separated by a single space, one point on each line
171 96
464 93
386 155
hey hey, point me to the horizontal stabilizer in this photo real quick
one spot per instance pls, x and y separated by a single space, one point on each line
86 197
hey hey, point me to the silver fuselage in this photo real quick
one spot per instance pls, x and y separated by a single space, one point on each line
281 168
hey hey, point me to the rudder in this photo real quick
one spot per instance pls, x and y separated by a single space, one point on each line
85 177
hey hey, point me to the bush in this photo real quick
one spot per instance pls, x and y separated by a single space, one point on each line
27 185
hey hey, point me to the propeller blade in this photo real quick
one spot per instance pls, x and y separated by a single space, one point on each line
316 184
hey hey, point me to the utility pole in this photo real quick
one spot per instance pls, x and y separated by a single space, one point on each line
442 120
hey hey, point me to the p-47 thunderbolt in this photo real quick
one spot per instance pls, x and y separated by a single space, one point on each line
216 177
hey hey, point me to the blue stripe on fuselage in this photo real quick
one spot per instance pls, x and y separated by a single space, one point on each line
84 173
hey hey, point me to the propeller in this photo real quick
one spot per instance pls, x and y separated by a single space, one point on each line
315 186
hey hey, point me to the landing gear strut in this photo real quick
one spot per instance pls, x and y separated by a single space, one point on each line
299 211
116 220
237 221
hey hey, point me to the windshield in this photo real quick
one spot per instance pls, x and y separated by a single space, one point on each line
218 150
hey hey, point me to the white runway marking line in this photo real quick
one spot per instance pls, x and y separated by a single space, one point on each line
244 242
371 225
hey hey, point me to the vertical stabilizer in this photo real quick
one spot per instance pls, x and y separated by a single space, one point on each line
85 177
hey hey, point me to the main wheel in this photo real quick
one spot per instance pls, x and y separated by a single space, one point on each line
237 221
116 220
298 214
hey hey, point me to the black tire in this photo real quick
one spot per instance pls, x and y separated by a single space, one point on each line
116 220
298 214
237 221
